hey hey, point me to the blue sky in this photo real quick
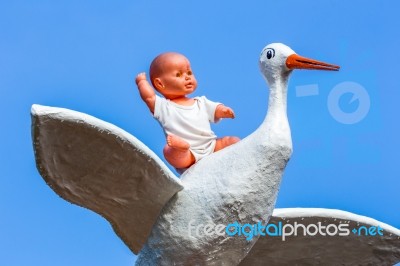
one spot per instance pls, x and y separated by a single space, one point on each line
84 55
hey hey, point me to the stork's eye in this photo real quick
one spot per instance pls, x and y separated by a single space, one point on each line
270 53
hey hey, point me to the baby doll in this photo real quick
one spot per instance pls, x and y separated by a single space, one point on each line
186 121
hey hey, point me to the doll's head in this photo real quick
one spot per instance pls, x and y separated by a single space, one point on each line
172 76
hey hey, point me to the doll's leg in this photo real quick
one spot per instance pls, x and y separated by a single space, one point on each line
225 142
177 152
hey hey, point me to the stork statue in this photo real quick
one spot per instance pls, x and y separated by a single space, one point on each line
96 165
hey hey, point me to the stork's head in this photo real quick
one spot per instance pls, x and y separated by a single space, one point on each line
279 60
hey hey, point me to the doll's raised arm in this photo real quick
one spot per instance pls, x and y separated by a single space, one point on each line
146 91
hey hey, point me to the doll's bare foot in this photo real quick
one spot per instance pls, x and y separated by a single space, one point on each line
177 143
225 142
177 152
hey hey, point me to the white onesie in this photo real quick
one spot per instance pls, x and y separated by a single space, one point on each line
191 123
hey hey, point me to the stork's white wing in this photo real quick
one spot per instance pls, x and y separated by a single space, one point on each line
352 249
99 166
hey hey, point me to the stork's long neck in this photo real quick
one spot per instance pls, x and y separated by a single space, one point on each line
277 103
276 123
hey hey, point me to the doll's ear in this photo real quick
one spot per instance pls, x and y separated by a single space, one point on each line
158 84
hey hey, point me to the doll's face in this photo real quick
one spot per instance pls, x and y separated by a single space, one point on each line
175 78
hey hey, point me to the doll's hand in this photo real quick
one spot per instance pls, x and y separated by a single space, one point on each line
140 77
228 112
224 112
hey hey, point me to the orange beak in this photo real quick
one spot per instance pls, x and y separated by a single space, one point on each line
295 61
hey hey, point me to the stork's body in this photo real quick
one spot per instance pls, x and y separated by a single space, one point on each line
221 189
238 184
